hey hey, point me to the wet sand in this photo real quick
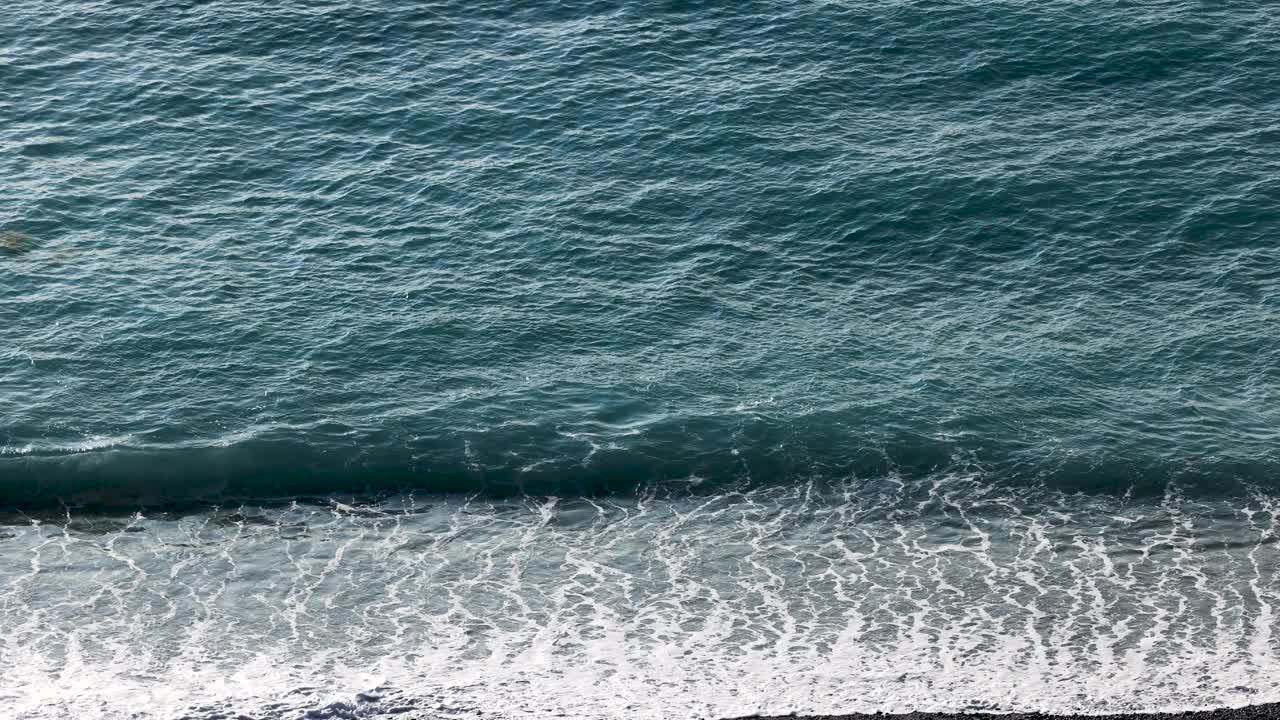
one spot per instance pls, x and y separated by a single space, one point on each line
1251 712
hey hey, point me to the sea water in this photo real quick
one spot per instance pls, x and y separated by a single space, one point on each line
637 360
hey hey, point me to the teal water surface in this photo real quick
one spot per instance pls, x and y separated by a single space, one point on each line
933 341
329 245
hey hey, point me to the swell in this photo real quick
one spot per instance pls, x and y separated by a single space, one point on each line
119 473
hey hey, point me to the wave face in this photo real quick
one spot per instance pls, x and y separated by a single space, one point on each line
723 455
637 359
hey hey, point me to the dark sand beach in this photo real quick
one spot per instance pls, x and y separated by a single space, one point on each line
1250 712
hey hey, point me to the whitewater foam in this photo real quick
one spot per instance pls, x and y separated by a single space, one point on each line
945 596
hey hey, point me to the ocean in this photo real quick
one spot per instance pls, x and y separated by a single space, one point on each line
613 359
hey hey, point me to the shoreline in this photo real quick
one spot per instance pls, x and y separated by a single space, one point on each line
1267 711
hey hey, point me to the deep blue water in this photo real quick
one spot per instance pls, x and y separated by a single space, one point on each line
1001 259
325 245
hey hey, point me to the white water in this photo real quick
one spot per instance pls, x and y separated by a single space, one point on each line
945 596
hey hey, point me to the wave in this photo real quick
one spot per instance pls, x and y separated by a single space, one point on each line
121 472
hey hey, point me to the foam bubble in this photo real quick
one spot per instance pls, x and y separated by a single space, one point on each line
889 596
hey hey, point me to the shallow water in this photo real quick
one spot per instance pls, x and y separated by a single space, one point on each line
931 596
612 358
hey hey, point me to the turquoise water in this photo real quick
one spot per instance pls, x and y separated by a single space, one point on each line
794 356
